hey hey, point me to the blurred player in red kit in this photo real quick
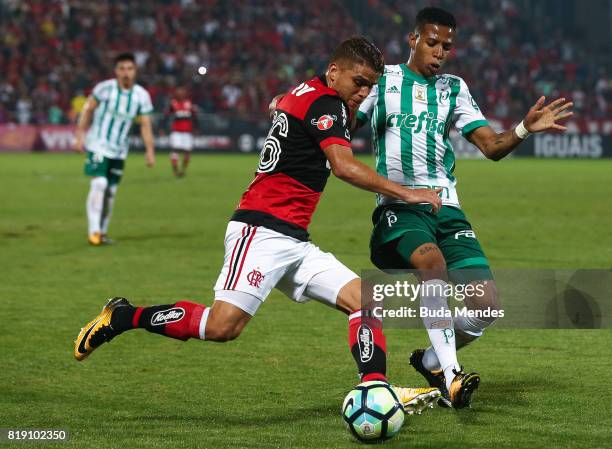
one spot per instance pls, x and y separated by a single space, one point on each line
182 114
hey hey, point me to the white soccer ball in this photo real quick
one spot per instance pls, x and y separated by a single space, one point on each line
372 412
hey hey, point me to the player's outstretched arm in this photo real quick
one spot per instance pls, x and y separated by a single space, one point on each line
355 172
539 118
146 131
84 121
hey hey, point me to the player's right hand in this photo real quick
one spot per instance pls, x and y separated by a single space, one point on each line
420 196
150 159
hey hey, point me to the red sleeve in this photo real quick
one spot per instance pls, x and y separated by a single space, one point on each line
334 141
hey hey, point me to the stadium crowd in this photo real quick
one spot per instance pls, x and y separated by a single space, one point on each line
53 52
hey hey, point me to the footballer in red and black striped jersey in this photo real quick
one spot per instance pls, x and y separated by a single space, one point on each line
293 169
266 241
182 113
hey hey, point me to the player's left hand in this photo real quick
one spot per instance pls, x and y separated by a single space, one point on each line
150 159
274 103
541 118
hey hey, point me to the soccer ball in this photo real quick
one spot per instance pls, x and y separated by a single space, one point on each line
372 412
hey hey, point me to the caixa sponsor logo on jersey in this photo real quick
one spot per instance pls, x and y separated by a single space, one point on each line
365 339
167 316
324 122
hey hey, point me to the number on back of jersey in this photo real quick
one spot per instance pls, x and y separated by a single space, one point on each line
270 154
302 89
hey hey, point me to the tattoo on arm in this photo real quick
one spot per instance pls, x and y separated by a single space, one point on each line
505 139
503 144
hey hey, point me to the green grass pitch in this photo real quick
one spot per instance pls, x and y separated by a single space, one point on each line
281 384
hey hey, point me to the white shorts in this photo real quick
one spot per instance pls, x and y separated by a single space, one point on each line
181 141
258 259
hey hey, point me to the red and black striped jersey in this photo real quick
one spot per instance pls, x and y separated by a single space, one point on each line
293 169
182 115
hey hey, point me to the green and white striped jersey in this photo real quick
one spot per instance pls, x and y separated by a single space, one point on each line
411 117
113 117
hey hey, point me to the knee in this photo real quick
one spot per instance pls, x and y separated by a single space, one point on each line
99 183
222 333
485 297
485 303
349 297
429 260
493 305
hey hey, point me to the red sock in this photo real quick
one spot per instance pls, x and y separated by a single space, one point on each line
368 346
180 320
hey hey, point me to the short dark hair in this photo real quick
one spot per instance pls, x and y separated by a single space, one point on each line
360 50
436 16
121 57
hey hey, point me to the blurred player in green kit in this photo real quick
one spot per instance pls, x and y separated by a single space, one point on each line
113 104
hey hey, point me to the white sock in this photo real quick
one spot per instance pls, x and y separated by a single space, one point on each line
472 328
203 322
109 201
440 327
95 203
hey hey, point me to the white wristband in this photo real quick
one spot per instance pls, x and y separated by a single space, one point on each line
521 131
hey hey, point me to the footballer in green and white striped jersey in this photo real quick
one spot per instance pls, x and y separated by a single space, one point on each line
113 118
411 117
102 131
411 111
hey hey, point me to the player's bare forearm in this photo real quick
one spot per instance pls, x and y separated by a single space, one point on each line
539 118
84 119
494 146
84 122
358 174
146 131
86 114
